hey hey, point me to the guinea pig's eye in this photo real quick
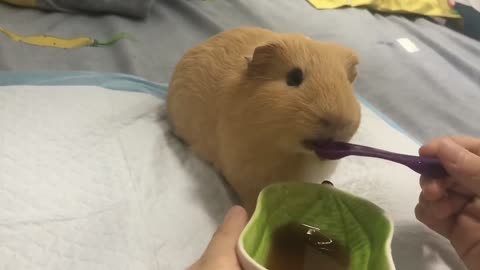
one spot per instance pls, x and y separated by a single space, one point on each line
295 77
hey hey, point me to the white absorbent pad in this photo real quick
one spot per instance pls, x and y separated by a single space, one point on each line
92 178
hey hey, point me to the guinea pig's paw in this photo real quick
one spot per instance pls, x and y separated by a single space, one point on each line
327 182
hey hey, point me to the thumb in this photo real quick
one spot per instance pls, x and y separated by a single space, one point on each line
462 165
225 239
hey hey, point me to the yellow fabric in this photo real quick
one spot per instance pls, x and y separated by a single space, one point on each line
431 8
62 43
24 3
49 41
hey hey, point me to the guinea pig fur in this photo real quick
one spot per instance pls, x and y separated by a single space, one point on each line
247 99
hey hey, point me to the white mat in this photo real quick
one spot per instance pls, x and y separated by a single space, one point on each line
91 178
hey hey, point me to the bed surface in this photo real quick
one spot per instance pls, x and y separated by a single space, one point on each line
432 92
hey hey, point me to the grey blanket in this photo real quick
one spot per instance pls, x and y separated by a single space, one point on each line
133 8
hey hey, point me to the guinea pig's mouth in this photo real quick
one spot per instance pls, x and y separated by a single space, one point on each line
311 145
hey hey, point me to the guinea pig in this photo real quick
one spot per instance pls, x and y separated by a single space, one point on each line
249 101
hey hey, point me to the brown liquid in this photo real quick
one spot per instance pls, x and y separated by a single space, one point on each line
302 247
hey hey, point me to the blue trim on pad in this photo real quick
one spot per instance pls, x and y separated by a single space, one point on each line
122 82
387 119
113 81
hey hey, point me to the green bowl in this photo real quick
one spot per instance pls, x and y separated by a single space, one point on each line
361 226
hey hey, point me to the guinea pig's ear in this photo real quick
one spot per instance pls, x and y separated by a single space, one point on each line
351 63
262 56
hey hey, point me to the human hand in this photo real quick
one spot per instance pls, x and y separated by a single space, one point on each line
221 251
451 206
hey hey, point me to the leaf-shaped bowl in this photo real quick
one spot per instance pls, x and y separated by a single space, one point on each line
363 227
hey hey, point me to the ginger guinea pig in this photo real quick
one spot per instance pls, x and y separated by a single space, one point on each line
247 100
